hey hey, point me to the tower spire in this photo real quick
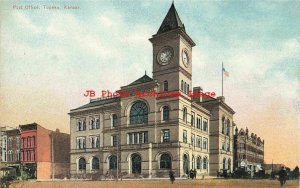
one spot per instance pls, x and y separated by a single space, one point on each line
171 21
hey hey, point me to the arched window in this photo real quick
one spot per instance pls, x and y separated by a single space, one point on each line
81 164
136 162
184 89
165 113
198 162
113 162
188 88
114 119
139 113
166 86
186 167
228 127
165 161
184 114
224 164
205 163
95 163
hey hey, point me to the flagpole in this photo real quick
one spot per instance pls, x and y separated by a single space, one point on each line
222 79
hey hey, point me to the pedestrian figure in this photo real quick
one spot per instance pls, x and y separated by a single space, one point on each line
195 173
172 176
282 176
191 174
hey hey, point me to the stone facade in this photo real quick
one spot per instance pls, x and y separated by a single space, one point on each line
172 133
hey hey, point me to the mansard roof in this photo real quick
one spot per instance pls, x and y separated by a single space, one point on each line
98 102
171 21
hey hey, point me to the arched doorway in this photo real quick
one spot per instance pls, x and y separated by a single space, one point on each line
186 164
136 163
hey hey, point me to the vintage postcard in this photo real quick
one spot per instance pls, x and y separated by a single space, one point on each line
118 93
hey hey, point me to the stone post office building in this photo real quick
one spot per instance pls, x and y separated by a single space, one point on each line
150 135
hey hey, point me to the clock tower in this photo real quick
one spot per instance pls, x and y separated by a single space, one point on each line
172 54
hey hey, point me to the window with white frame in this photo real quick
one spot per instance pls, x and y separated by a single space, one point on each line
198 141
81 125
184 118
114 140
97 123
165 113
228 127
166 135
80 142
114 120
204 143
205 125
92 123
95 141
137 137
193 119
199 122
184 136
193 139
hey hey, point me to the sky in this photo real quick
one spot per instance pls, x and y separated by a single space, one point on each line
50 57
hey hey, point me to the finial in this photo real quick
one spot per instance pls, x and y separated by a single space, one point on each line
145 72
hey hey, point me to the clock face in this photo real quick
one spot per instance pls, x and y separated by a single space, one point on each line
185 58
165 55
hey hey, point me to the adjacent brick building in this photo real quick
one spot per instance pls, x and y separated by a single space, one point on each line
35 152
249 151
41 151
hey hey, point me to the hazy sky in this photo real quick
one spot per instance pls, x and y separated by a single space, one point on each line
50 57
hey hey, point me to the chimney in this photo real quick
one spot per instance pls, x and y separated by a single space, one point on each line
197 96
221 98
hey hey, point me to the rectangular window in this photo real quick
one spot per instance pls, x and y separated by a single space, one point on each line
114 140
198 122
205 125
94 141
92 123
145 137
137 138
184 135
166 135
33 141
81 125
193 119
140 137
198 142
204 143
130 138
97 123
193 139
80 142
114 120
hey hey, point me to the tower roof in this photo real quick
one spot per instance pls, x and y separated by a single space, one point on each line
143 79
171 21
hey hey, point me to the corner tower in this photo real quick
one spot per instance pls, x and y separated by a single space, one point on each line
172 54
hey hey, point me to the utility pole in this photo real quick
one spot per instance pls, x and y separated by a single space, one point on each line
52 155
